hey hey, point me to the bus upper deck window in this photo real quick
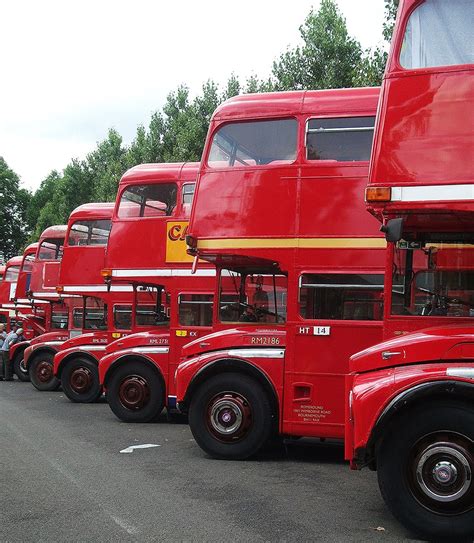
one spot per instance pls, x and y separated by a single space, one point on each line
255 143
90 232
439 33
188 193
343 139
153 200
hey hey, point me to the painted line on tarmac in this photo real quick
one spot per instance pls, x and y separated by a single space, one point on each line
144 446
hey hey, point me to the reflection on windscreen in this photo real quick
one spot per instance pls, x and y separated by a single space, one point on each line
245 144
435 280
252 297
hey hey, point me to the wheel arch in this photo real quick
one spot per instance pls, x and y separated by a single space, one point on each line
38 352
231 365
129 358
408 400
20 349
72 356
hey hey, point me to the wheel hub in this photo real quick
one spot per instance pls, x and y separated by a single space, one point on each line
134 392
44 371
229 416
81 380
444 473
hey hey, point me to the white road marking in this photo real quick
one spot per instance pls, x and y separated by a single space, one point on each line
144 446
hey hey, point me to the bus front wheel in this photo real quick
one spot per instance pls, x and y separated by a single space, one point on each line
425 468
41 372
230 416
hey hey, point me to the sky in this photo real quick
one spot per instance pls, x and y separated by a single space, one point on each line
73 69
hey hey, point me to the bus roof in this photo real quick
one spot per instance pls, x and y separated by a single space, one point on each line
93 210
163 172
56 231
31 248
14 261
279 104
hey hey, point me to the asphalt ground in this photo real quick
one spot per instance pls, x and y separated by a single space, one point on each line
63 478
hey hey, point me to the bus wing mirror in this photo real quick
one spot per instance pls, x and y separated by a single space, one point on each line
393 230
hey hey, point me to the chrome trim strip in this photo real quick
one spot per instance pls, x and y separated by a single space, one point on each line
466 373
258 353
433 193
163 272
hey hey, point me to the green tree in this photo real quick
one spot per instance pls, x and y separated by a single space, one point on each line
328 57
105 166
44 194
391 7
14 227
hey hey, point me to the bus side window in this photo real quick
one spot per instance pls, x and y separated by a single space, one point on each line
195 309
341 296
340 139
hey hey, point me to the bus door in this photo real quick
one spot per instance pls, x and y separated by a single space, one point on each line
338 314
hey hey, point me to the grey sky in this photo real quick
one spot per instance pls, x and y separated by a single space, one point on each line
71 70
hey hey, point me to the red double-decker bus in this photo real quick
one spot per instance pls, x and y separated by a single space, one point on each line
299 264
147 249
31 314
97 312
410 411
38 355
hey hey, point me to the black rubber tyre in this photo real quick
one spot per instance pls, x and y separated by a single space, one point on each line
19 369
40 370
230 416
135 393
425 470
80 380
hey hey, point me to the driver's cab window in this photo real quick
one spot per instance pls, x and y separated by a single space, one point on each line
151 307
433 279
94 314
252 297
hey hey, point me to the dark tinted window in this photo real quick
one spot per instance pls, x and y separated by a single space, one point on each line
195 309
155 200
247 144
341 296
343 139
123 317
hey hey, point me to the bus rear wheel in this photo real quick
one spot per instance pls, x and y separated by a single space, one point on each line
80 380
426 471
41 372
230 416
135 393
19 367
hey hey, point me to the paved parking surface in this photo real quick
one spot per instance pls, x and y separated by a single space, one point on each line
63 478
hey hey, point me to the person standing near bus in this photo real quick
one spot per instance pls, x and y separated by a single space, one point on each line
6 374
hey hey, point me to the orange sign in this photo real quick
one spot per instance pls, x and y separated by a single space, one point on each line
176 242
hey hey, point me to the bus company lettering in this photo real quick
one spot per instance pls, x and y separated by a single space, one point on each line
176 242
312 413
178 231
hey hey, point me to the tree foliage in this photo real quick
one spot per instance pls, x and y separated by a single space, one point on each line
14 203
327 57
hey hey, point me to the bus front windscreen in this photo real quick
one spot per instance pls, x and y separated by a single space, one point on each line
252 297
